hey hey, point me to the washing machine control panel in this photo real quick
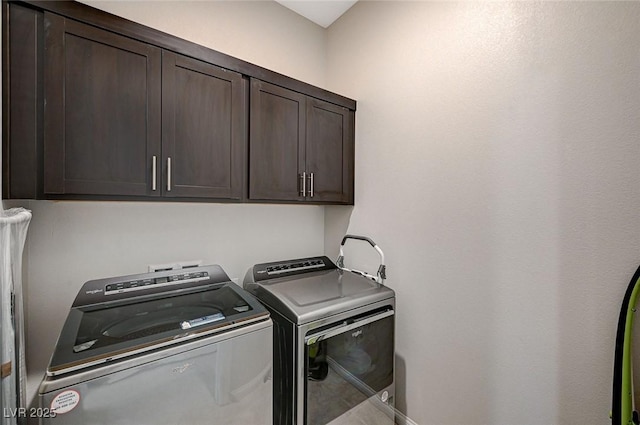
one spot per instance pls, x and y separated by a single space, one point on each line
117 288
140 284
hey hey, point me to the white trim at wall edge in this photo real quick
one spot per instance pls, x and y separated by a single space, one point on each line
402 419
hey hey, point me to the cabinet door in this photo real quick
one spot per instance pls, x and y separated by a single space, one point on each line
102 111
203 136
276 159
22 114
329 152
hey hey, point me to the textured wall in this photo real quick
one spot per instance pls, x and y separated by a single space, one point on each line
497 165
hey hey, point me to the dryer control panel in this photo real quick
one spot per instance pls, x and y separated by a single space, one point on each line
291 267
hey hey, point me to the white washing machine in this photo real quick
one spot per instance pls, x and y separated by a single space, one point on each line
175 347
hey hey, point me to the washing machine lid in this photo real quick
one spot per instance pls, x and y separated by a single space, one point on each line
308 295
128 321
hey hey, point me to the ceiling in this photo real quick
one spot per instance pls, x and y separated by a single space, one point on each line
322 12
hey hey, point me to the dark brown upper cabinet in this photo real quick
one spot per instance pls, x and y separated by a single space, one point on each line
124 118
203 136
22 104
99 107
301 148
329 152
276 143
102 109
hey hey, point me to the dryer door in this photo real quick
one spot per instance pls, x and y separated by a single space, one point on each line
349 371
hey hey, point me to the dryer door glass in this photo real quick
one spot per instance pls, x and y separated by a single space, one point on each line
349 370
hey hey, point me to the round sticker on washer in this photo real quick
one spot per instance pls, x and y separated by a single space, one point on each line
65 402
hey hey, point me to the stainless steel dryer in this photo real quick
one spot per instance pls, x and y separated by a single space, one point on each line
176 347
333 341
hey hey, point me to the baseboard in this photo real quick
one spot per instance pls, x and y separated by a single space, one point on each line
402 419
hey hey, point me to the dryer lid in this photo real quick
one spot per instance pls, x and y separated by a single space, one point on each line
311 296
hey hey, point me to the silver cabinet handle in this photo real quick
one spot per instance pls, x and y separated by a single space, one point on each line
311 185
169 174
303 186
154 172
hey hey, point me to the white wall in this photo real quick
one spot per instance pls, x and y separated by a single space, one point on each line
257 31
72 242
497 165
